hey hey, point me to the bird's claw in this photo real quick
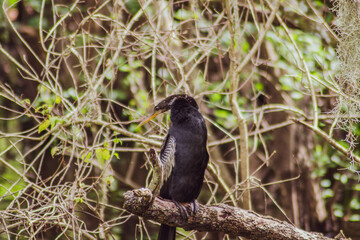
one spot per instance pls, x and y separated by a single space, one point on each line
194 207
183 211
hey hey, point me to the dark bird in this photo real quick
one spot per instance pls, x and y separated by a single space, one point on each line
183 156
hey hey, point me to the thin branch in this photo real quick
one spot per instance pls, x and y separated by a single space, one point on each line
348 153
307 72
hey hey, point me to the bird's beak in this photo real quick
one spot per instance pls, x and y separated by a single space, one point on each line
154 114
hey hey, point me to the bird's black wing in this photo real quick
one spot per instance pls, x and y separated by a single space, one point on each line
167 157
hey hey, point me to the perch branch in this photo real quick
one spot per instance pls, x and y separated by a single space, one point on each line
221 218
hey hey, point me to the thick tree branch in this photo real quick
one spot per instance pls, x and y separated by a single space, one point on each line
220 218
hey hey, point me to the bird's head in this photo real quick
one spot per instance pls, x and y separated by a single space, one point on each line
165 105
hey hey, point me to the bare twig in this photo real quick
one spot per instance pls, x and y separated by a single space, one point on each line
348 153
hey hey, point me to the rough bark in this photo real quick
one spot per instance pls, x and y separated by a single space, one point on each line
220 217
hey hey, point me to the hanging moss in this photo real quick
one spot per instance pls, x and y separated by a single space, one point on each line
348 52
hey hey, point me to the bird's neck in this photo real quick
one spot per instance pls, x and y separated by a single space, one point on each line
181 116
189 120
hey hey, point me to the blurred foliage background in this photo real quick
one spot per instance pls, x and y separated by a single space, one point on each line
277 82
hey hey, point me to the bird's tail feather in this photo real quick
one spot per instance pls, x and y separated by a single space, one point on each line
166 232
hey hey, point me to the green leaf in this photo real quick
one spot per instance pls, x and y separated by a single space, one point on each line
220 113
183 14
344 144
78 200
70 93
355 204
356 187
116 155
54 150
27 101
336 159
259 86
43 108
325 183
86 157
164 73
296 95
44 125
116 140
327 193
136 64
215 97
125 68
85 110
109 75
54 120
109 179
354 218
132 5
102 155
287 82
245 46
344 179
57 100
12 2
339 213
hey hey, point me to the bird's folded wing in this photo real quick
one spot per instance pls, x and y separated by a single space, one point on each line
167 156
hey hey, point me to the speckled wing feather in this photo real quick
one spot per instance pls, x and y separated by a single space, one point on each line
167 156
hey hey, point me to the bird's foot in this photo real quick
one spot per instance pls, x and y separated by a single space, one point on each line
183 211
194 206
